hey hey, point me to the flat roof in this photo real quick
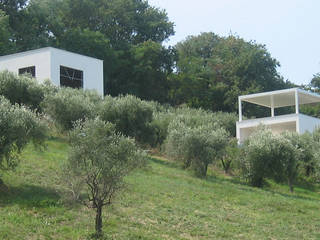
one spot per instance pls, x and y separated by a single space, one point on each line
38 50
281 98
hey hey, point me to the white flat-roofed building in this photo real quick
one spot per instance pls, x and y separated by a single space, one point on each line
63 68
295 122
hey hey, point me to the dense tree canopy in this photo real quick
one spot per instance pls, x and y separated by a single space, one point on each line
4 32
205 71
212 71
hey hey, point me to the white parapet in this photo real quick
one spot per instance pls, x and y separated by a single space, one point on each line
299 123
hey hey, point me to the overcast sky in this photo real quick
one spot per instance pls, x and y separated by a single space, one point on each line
290 29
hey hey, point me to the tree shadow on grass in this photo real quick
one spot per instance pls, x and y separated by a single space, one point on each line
167 163
29 196
243 186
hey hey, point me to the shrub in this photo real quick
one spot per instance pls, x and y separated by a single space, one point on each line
307 146
99 160
316 174
131 116
160 124
18 126
269 156
23 89
232 152
196 147
226 121
69 105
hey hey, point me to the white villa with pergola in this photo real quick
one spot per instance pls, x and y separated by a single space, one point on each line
295 122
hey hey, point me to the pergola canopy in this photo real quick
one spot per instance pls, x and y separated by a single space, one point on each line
281 98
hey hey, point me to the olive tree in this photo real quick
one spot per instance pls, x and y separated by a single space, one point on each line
131 116
265 155
68 105
98 161
18 126
23 89
196 147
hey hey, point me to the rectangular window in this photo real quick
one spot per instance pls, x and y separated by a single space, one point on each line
70 77
28 70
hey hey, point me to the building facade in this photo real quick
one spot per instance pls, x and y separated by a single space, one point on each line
63 68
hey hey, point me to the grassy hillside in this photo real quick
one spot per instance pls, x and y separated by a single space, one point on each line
162 202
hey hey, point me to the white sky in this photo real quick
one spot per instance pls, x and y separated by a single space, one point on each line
290 29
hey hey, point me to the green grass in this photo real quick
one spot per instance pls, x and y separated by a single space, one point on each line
162 202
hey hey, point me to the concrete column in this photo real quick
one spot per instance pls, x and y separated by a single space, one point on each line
240 109
272 106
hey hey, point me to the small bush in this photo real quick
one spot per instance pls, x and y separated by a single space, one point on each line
232 152
265 155
196 147
18 126
160 124
307 146
69 105
191 117
21 89
131 116
226 121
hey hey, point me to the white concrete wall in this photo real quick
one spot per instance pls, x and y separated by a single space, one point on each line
39 59
292 122
92 68
277 125
307 123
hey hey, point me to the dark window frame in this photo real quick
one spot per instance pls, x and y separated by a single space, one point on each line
70 77
28 70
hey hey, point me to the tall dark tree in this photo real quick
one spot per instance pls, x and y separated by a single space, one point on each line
6 44
28 24
212 71
146 66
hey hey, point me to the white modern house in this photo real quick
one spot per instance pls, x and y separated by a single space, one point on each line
63 68
295 122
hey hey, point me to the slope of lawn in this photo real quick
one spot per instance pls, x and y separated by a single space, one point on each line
161 202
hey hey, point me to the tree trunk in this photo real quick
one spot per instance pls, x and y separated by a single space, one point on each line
99 221
290 185
223 165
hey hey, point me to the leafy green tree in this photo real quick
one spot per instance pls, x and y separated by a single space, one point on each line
18 126
124 22
315 82
28 23
6 45
24 90
131 116
150 65
115 31
212 71
265 155
99 160
197 146
68 105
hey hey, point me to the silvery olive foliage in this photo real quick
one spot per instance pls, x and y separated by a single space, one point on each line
130 115
24 90
18 126
197 146
192 118
308 147
68 105
99 160
267 155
